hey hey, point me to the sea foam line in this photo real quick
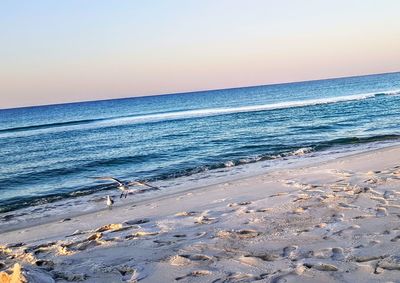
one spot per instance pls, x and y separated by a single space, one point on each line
242 109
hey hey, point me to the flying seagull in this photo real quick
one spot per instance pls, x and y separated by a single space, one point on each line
124 186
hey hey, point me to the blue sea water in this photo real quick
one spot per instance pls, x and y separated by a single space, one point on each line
50 152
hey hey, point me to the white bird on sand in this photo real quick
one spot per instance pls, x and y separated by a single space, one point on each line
110 201
124 186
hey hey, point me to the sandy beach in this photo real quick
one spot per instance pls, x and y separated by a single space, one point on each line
332 221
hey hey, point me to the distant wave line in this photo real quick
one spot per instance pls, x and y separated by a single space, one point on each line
197 113
252 108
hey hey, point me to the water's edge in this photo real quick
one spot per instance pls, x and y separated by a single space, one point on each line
64 209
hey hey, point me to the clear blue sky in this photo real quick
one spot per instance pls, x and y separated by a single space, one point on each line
61 51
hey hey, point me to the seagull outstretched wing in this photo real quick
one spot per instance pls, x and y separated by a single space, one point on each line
138 183
109 179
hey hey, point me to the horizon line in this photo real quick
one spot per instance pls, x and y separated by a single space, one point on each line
197 91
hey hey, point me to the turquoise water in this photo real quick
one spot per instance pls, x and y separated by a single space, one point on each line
49 152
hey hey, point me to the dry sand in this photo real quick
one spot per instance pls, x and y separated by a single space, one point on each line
335 221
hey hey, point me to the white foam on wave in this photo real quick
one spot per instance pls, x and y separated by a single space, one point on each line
302 151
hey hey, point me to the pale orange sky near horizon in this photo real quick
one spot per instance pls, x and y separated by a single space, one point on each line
67 51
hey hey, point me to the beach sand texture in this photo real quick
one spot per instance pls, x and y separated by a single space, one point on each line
332 221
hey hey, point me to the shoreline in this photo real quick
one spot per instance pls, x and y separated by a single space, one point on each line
165 194
332 220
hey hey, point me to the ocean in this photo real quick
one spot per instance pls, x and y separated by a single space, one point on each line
50 153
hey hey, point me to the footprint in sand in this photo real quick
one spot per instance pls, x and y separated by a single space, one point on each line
321 225
241 277
204 219
68 276
256 260
196 273
92 241
263 209
289 251
337 254
302 197
366 258
162 243
179 236
36 249
111 228
373 243
346 205
362 216
299 210
270 256
45 264
178 260
243 210
395 239
76 233
390 263
389 195
288 275
241 234
349 228
338 217
322 253
187 259
185 213
380 200
279 194
250 260
81 245
239 203
321 266
140 234
381 212
13 245
137 221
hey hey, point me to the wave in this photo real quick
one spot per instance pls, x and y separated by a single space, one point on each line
355 140
50 125
17 203
197 113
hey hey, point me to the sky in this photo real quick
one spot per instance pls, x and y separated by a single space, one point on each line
67 50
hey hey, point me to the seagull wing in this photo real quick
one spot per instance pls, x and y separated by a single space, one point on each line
110 179
138 183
